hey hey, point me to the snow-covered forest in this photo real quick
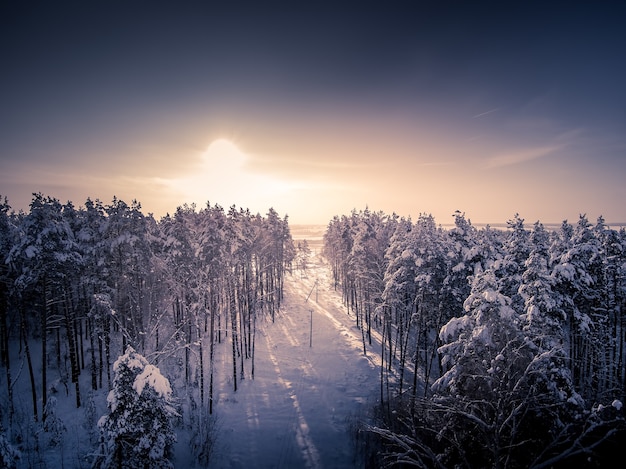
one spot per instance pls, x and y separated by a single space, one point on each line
501 348
108 294
487 347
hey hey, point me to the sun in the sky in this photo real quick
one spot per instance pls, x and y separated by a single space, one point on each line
223 176
225 151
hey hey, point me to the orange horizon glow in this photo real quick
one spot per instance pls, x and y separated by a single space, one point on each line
311 184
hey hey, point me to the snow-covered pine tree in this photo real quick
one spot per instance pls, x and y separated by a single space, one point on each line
462 263
579 281
398 296
432 270
303 253
137 432
542 319
496 401
8 454
611 306
90 422
337 246
543 324
472 418
510 267
475 344
7 234
367 262
52 423
128 254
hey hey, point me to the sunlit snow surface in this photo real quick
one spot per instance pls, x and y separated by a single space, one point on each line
297 410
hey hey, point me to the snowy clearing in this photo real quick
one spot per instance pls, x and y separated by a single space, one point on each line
297 410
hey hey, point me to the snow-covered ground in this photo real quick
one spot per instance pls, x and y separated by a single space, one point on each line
308 387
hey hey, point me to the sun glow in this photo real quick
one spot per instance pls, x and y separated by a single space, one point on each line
223 175
223 150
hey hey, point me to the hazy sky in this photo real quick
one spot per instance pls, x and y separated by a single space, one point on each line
316 109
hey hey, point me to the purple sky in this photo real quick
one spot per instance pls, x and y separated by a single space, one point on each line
406 107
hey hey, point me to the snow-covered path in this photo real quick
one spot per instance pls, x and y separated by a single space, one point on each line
307 388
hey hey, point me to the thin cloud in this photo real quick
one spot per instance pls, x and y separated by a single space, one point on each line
522 156
435 163
482 114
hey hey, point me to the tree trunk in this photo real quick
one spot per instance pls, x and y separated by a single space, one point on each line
30 364
77 342
71 342
100 339
81 328
107 347
253 341
187 347
403 353
211 357
382 364
242 333
4 348
92 345
201 367
233 320
44 349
